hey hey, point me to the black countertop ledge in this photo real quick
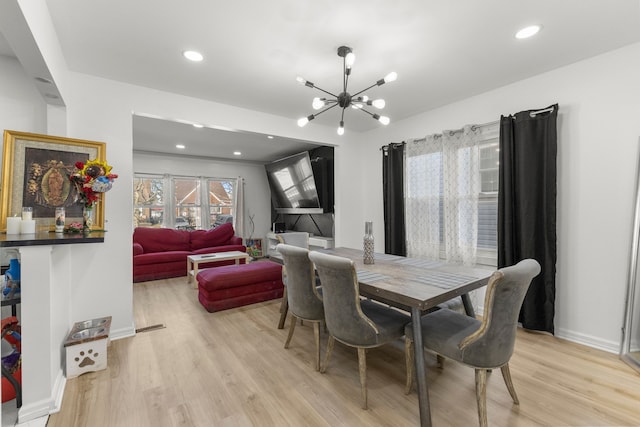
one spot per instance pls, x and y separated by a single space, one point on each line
49 238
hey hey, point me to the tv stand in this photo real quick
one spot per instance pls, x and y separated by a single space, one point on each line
298 216
315 243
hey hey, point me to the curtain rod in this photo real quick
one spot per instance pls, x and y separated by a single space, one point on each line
386 147
451 132
545 110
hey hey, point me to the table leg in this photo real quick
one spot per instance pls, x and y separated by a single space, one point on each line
468 307
195 273
421 375
189 267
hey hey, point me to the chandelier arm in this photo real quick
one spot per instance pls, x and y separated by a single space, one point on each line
342 115
365 111
345 74
364 90
326 91
326 109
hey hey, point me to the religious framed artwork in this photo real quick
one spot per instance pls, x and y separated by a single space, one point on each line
36 172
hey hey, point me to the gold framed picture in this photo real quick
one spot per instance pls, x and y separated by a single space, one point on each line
35 173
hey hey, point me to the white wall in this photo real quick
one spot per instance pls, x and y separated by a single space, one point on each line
598 131
101 110
257 196
598 138
21 106
21 109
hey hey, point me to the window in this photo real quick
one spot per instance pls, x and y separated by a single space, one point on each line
488 200
452 195
185 203
221 195
148 201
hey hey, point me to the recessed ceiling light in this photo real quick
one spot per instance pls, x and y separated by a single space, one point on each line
270 136
192 55
237 153
198 125
528 31
180 146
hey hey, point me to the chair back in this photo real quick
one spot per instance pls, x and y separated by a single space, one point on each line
302 295
492 345
341 295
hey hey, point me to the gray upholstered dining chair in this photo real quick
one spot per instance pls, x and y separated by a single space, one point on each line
483 345
350 320
301 240
305 303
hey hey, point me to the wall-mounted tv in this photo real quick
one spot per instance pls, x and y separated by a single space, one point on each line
293 187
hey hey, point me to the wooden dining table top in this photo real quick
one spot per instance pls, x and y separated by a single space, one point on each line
412 282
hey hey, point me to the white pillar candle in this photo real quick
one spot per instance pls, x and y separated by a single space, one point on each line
13 225
27 213
28 226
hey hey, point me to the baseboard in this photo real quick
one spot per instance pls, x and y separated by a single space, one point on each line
578 338
588 340
45 407
116 334
58 391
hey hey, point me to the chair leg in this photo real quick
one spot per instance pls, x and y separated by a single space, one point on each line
284 307
506 374
330 344
408 358
440 361
481 395
362 367
292 327
316 335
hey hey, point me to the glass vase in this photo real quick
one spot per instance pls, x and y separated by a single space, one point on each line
60 220
87 219
368 243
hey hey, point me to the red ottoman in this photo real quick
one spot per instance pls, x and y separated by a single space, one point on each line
230 286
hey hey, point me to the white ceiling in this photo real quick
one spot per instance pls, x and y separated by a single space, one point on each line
4 47
442 50
155 135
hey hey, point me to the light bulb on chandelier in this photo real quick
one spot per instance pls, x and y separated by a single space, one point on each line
345 99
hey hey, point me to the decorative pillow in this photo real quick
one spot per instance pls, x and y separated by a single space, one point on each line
209 238
161 239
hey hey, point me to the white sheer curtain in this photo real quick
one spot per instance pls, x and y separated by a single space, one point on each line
238 209
443 185
423 167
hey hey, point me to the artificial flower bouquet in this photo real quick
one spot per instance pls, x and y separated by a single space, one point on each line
92 179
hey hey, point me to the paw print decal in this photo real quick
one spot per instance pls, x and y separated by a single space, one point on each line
86 360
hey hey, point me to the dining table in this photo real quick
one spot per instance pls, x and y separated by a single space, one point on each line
415 285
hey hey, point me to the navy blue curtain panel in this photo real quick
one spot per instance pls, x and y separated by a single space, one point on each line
395 241
527 207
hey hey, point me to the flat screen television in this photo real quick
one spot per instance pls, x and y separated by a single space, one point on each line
293 187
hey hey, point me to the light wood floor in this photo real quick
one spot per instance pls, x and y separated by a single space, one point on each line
230 369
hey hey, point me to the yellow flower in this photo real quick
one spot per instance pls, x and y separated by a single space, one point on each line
92 165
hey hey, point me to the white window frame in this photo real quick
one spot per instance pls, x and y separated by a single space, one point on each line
169 217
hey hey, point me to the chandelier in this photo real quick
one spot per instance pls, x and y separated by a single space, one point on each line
344 100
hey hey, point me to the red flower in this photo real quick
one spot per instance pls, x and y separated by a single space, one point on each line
79 165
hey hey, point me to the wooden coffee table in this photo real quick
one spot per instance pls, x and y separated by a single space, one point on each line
194 260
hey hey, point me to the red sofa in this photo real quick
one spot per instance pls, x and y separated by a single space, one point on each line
160 253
